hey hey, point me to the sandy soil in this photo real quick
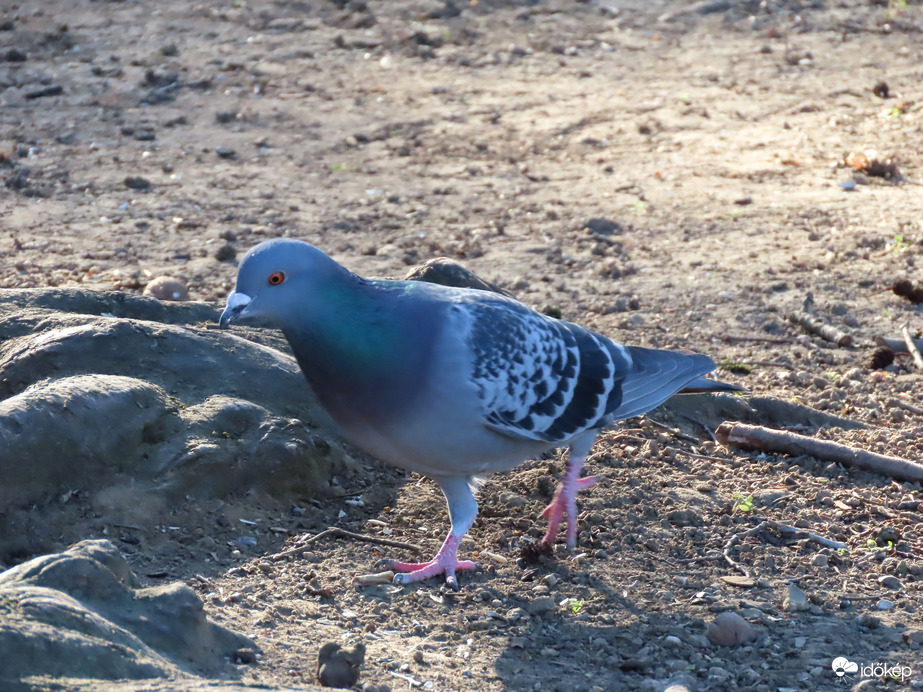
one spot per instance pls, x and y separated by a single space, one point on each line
668 173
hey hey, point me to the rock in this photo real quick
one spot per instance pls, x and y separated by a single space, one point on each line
135 182
225 152
166 288
889 581
541 605
244 656
884 604
794 600
604 227
914 637
338 667
450 273
729 629
74 413
80 614
226 253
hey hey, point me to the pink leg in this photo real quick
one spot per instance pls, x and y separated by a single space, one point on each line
565 502
462 511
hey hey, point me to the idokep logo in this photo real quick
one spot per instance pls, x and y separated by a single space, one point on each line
843 666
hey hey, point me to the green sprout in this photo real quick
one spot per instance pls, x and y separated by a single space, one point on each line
574 605
743 504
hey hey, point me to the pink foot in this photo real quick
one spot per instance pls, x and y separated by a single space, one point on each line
445 562
418 571
565 504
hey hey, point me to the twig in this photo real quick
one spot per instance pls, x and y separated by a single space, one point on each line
730 339
335 532
916 410
815 325
781 528
676 433
704 457
782 441
798 533
911 346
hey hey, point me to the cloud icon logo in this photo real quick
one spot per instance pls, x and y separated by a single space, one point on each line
841 666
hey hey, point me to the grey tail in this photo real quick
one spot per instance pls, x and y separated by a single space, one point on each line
705 384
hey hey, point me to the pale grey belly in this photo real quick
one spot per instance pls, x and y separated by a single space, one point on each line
444 439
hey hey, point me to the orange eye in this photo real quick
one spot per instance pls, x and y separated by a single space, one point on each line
276 278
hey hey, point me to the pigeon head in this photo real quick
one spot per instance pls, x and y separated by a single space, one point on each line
278 280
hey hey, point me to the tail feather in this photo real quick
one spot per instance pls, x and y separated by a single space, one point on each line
706 384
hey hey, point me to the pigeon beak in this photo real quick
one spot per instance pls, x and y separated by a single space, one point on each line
236 304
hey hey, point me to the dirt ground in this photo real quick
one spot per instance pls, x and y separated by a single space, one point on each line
670 174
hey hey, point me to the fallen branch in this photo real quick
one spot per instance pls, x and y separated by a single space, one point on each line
815 325
335 532
911 346
782 441
898 345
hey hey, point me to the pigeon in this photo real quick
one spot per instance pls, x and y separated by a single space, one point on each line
453 383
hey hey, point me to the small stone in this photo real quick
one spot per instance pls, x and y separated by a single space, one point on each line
338 667
226 253
225 152
820 560
800 642
848 185
884 604
603 227
869 621
517 614
672 640
15 55
135 182
166 288
244 656
889 581
795 599
729 629
914 637
541 605
418 656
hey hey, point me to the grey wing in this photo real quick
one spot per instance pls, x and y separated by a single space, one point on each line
545 379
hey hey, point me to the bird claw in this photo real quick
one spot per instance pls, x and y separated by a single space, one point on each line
414 572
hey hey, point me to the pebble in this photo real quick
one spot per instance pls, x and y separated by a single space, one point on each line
795 599
167 288
820 560
848 185
540 605
517 614
884 604
225 152
244 656
338 667
135 182
889 581
729 629
226 253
